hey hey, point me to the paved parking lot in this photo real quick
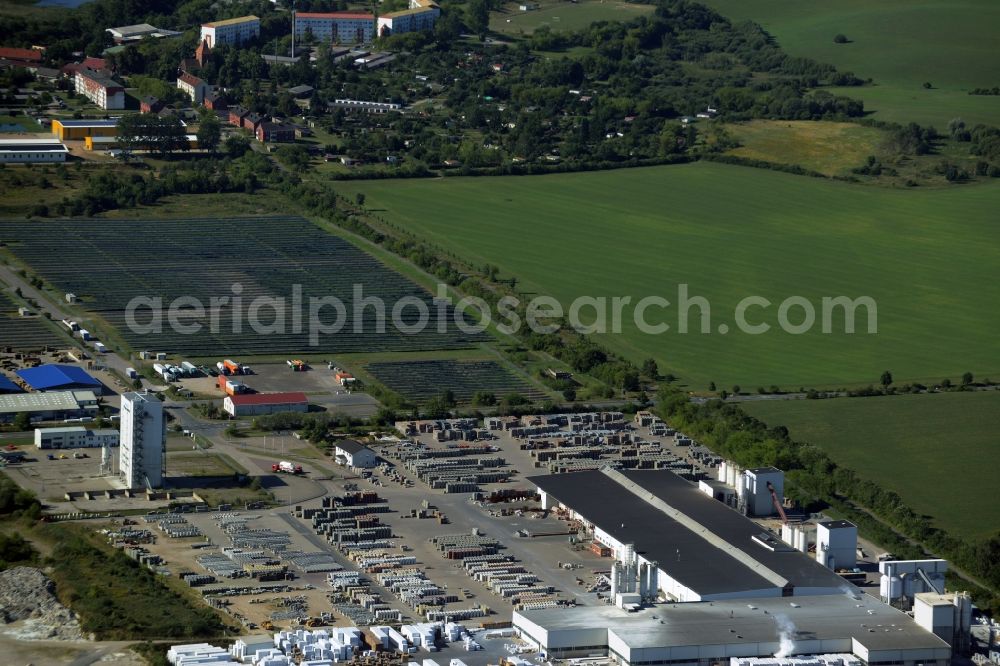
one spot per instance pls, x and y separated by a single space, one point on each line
317 383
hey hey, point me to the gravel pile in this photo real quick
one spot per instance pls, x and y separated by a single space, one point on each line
28 594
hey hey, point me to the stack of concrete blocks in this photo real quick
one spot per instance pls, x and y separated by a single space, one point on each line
452 631
245 649
422 635
393 640
334 645
199 654
270 657
338 580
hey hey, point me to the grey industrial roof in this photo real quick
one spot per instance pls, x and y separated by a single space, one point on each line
764 470
875 625
11 146
837 524
351 446
43 402
698 559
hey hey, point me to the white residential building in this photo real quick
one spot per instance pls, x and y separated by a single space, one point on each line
75 437
337 27
143 440
100 89
230 31
193 87
421 16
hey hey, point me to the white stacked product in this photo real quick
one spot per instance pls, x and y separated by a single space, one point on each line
337 644
245 649
422 635
196 654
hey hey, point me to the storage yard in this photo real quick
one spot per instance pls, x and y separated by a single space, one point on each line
317 381
447 527
453 525
197 258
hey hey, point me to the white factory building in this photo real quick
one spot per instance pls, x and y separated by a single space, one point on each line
752 488
355 454
231 31
902 580
49 405
837 544
696 582
75 437
701 634
31 151
143 440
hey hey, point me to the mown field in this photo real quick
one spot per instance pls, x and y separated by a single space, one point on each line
902 44
926 256
560 15
108 263
935 450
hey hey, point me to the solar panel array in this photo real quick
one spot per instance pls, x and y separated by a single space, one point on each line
107 263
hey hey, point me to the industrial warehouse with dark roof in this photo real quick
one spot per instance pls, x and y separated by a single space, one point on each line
705 550
749 594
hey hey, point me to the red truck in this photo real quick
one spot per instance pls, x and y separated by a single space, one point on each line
286 467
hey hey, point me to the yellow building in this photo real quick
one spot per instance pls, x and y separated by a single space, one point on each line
76 130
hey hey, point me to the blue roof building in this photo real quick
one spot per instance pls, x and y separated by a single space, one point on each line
7 386
58 377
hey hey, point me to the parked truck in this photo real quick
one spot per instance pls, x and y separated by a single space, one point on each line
131 373
190 369
232 367
84 334
100 347
231 386
286 467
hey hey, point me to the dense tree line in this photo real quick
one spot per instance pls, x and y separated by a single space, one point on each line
15 501
162 135
119 599
814 480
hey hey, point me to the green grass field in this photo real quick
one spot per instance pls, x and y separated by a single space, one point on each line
828 148
926 256
934 450
562 16
24 122
899 43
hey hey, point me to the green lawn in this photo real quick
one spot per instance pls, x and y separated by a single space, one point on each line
26 124
829 148
901 44
936 451
927 257
563 16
